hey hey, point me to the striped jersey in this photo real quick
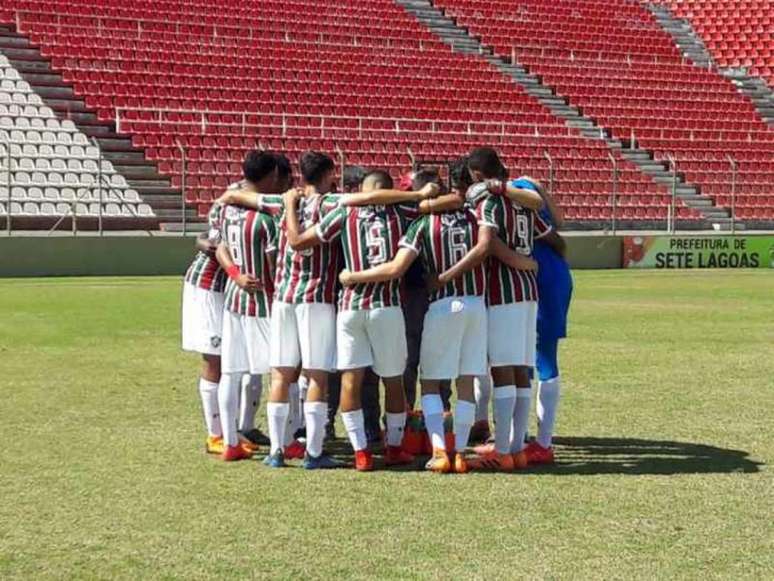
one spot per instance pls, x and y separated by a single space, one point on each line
517 227
205 272
251 238
442 240
369 235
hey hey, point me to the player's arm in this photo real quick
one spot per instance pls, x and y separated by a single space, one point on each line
556 212
243 281
390 197
393 269
297 239
441 204
239 198
204 244
502 252
553 240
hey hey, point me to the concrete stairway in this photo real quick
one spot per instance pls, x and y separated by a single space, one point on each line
693 48
130 161
451 33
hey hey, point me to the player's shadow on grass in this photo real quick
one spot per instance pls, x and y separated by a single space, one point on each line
580 455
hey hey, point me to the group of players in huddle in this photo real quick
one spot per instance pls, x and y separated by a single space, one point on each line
303 282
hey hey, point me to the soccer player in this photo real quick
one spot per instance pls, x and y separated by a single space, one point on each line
512 307
555 292
370 330
202 323
250 237
454 340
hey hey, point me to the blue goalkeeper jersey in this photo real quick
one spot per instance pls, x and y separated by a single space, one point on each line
554 281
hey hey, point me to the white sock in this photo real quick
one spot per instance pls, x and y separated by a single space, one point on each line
483 390
355 426
547 404
228 403
252 386
303 388
464 416
316 413
277 414
520 421
209 394
295 416
395 426
432 410
504 402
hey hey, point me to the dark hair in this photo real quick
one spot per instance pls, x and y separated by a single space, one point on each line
486 161
353 177
314 165
284 168
459 175
381 179
258 165
425 176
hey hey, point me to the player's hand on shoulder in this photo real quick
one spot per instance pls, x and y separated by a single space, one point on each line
291 196
495 186
430 190
345 277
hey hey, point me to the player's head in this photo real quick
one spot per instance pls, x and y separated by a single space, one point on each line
377 179
426 176
485 164
353 178
260 169
284 174
318 170
459 175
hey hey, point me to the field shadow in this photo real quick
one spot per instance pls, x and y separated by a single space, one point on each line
592 455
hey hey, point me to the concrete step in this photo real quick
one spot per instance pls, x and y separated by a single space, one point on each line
194 226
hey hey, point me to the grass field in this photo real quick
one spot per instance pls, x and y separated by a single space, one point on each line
667 436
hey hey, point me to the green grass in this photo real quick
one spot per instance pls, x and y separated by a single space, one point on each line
667 427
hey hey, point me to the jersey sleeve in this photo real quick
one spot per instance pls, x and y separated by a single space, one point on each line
408 212
215 221
329 203
332 224
412 239
489 212
271 233
540 227
269 204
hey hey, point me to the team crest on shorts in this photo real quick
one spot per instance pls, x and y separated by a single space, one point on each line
215 341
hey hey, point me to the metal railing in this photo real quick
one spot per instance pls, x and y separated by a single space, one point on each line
734 169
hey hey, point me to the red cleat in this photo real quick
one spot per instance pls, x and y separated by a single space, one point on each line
397 456
537 454
492 462
295 451
364 460
234 453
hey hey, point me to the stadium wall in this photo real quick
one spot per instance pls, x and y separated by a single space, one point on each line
143 255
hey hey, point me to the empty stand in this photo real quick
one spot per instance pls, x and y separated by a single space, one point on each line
49 168
612 60
216 79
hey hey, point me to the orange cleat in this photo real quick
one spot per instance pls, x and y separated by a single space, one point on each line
397 456
537 454
460 465
247 444
364 460
484 449
493 462
439 462
519 460
214 445
234 453
295 451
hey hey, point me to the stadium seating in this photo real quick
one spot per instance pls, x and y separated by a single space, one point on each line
612 60
53 166
738 33
363 77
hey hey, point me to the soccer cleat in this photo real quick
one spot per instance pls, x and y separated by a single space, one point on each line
439 462
484 449
276 460
322 462
234 453
537 454
330 431
214 445
460 464
397 456
519 460
492 461
247 444
480 432
295 450
364 460
256 437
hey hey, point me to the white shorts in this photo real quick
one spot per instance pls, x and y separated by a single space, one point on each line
303 334
512 334
202 320
372 338
454 339
245 344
